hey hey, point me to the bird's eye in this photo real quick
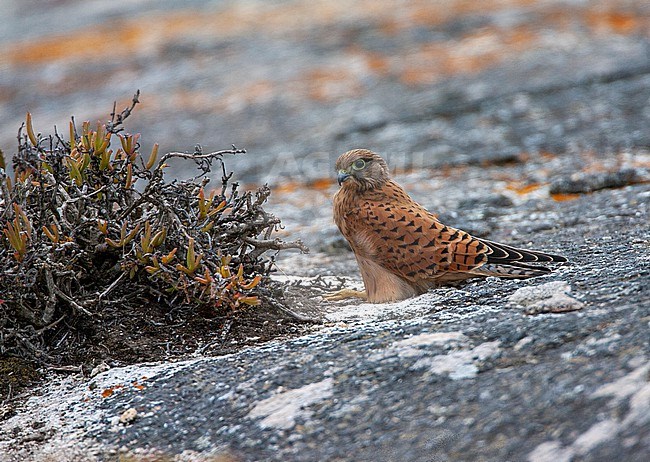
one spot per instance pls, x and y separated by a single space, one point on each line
359 164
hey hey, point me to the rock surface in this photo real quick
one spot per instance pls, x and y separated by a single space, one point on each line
552 297
506 118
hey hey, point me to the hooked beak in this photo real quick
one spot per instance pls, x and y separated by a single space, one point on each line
342 176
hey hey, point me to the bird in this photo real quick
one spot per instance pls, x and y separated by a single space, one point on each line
402 249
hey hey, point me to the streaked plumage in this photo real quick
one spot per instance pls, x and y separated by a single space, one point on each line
402 249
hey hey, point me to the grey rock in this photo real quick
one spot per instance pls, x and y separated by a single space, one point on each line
335 245
281 410
584 183
492 200
552 297
458 374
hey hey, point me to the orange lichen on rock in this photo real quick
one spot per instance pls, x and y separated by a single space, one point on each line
286 187
614 21
329 84
92 43
475 52
151 32
321 184
523 189
562 197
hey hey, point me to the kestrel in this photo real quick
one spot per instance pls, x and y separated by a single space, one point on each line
401 248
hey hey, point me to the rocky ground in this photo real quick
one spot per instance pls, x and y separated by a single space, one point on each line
521 122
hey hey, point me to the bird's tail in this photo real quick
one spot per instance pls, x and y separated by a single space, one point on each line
501 253
510 262
503 270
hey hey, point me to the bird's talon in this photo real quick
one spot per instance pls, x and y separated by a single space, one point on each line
345 294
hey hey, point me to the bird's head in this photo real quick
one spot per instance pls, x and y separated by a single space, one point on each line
362 169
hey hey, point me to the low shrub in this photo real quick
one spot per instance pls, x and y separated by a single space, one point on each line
88 222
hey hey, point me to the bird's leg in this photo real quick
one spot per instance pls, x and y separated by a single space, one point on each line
346 293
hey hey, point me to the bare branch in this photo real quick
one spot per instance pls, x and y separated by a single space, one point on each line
277 244
115 124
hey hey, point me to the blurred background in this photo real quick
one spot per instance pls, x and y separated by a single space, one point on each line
426 83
